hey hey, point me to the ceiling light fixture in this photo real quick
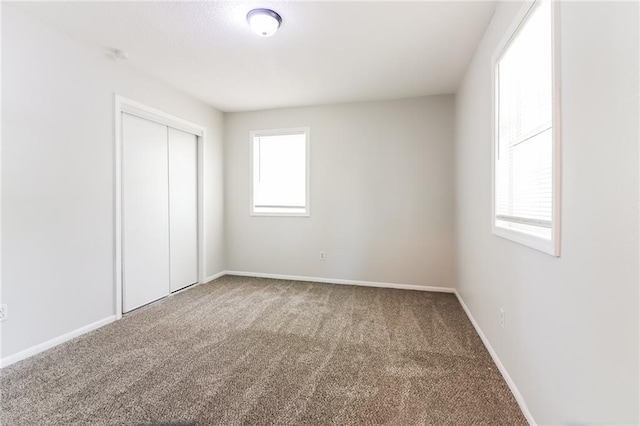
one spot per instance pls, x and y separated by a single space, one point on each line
264 22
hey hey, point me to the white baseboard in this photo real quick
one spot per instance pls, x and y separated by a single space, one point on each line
507 378
213 277
341 281
19 356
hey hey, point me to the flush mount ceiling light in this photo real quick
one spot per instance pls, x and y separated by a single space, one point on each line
264 22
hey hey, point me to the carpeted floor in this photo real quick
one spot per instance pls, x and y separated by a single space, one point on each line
249 351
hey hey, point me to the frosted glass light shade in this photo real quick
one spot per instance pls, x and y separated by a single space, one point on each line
264 22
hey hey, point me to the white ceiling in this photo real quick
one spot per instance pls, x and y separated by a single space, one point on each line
325 52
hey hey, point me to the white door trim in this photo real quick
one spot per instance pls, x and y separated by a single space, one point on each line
138 109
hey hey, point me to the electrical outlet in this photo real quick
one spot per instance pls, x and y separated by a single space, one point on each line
3 312
502 317
322 257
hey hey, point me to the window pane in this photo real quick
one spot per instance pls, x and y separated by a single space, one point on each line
530 176
279 173
525 80
524 163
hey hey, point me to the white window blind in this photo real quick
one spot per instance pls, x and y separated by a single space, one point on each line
524 146
280 173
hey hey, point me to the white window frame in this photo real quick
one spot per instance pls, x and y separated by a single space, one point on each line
551 246
276 132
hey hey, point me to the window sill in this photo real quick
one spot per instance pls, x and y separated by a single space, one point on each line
279 214
528 240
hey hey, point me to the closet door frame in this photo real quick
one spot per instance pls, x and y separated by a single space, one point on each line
129 106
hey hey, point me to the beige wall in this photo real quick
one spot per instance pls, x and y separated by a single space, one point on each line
571 337
58 178
381 194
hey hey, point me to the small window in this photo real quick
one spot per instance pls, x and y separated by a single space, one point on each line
526 144
280 172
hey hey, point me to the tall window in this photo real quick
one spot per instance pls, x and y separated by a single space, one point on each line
280 172
526 162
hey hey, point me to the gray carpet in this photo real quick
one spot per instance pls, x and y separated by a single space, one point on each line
248 351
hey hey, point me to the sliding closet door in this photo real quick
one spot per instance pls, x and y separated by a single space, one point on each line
183 208
145 213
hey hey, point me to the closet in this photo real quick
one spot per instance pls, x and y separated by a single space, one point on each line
159 210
